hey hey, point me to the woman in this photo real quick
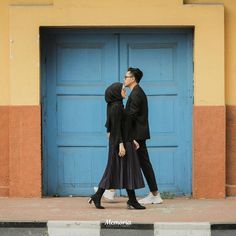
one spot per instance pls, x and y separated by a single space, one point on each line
123 169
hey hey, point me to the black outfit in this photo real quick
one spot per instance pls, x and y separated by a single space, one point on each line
138 129
137 115
120 172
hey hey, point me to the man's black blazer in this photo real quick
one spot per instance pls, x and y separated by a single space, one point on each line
137 115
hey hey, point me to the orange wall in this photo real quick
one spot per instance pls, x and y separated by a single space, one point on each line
4 150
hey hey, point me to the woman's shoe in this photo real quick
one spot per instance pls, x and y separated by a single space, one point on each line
135 205
96 201
108 194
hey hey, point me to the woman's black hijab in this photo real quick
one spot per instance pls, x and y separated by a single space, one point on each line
113 96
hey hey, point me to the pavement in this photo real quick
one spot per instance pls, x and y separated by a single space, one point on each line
207 215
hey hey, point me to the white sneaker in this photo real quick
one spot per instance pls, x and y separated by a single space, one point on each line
151 199
157 199
109 195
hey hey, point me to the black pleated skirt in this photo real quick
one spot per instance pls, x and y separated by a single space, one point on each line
122 172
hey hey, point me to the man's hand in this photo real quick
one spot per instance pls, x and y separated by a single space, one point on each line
121 150
136 144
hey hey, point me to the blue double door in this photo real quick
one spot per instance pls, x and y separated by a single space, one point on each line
77 66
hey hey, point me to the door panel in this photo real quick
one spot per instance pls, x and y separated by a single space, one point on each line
80 67
163 60
80 168
81 120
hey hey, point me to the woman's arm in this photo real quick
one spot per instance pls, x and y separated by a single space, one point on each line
136 144
116 124
116 128
121 150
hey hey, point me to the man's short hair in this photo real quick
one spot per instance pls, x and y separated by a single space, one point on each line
137 73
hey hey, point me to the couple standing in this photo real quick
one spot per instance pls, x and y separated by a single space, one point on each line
128 131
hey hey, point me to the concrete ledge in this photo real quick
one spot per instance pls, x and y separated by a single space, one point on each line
115 228
33 228
182 225
24 224
73 228
121 225
182 229
220 226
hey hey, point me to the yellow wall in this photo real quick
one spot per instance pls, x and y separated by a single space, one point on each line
230 47
25 20
4 53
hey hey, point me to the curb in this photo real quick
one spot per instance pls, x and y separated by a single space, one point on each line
115 228
18 228
24 224
182 228
73 228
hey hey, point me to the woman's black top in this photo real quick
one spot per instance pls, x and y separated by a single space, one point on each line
115 113
120 172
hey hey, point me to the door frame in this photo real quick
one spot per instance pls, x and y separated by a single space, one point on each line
46 32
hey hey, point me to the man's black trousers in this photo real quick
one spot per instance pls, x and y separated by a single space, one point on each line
146 165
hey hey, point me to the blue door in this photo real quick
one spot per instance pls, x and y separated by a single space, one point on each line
166 62
77 66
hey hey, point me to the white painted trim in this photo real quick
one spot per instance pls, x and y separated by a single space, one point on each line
182 229
73 228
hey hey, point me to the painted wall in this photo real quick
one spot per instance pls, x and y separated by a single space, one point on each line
20 79
230 88
108 13
4 98
4 55
230 46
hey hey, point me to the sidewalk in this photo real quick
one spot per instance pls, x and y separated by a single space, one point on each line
77 209
75 217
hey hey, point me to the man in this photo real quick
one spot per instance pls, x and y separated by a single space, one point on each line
137 118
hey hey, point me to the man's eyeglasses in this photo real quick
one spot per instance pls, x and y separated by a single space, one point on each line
128 76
